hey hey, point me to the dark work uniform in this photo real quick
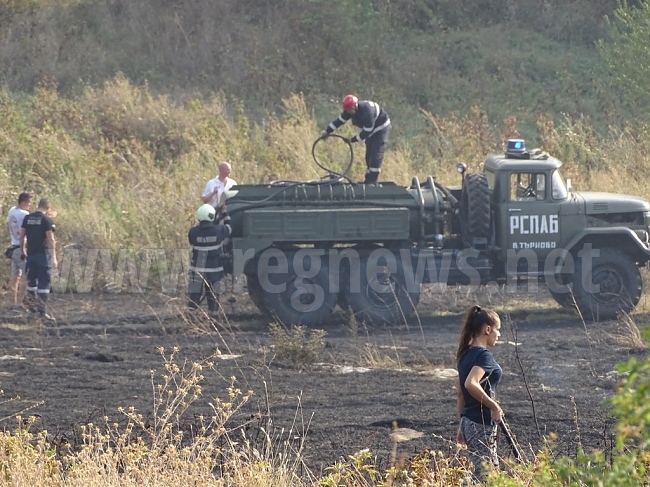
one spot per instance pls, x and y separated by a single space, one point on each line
476 424
206 270
375 126
36 225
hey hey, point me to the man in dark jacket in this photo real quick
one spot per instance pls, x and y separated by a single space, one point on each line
206 269
37 246
375 126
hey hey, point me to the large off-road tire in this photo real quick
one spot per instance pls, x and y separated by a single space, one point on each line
381 298
615 282
564 299
475 208
304 301
255 292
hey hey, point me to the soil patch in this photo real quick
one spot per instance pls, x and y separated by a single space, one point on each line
558 373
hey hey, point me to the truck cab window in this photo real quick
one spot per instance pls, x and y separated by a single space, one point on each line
527 187
559 189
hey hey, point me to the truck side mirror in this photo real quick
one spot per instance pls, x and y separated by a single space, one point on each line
569 188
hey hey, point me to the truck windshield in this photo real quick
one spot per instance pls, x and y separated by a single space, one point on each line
559 189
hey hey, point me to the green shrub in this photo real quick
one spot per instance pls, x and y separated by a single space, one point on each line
295 346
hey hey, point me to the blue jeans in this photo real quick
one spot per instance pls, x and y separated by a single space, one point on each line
481 442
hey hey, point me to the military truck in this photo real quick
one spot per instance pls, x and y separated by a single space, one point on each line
306 247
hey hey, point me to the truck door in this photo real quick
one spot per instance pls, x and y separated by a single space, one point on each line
531 219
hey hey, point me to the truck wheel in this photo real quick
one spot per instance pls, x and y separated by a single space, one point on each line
616 283
475 207
382 297
255 292
304 301
564 299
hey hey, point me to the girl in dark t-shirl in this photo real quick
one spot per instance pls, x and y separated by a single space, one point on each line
479 376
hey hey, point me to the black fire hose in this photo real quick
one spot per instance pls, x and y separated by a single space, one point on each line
505 429
345 173
285 185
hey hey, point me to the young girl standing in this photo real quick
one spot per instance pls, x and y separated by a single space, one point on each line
479 375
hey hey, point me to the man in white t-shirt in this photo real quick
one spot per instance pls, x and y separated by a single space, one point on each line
217 186
17 214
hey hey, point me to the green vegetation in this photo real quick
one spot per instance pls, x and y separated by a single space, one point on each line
511 58
626 56
296 346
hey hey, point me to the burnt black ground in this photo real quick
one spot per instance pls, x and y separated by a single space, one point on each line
100 353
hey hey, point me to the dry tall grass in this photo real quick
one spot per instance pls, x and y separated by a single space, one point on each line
126 168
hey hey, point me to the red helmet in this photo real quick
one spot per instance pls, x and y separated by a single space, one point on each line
349 102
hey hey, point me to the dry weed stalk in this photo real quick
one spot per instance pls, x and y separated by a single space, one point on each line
370 356
577 425
352 324
21 411
513 330
589 342
630 333
400 435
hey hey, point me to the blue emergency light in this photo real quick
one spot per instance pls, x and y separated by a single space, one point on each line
516 146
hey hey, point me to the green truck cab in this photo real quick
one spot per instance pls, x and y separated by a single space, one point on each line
581 240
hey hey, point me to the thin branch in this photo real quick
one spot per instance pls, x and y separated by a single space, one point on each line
513 331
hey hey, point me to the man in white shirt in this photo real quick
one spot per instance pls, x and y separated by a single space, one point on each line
18 282
217 186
